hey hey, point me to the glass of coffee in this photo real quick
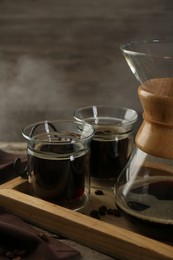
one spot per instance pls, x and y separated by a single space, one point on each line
112 143
58 161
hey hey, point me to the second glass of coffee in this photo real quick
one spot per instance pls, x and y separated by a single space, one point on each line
112 143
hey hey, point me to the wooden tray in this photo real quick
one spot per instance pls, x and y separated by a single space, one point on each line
110 235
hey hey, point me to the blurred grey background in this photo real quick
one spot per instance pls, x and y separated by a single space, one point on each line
58 55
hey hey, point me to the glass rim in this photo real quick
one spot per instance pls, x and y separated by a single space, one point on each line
75 122
128 121
125 48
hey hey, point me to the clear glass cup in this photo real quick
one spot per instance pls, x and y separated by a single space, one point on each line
58 161
112 143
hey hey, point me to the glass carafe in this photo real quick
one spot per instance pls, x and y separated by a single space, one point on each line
144 190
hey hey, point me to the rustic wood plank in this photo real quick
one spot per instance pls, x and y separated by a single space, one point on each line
105 237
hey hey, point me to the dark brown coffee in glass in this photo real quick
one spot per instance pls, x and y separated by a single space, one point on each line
109 155
59 161
112 143
58 179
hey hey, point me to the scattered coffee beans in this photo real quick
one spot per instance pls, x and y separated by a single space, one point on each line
102 211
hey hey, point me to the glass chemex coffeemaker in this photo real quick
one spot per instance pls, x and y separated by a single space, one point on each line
144 190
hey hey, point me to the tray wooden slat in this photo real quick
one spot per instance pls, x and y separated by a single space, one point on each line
105 237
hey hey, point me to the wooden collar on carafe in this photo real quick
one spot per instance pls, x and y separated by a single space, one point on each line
154 122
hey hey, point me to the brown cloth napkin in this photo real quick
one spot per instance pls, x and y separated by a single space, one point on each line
18 239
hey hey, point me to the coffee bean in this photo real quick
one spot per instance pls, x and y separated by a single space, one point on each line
99 192
94 214
102 210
